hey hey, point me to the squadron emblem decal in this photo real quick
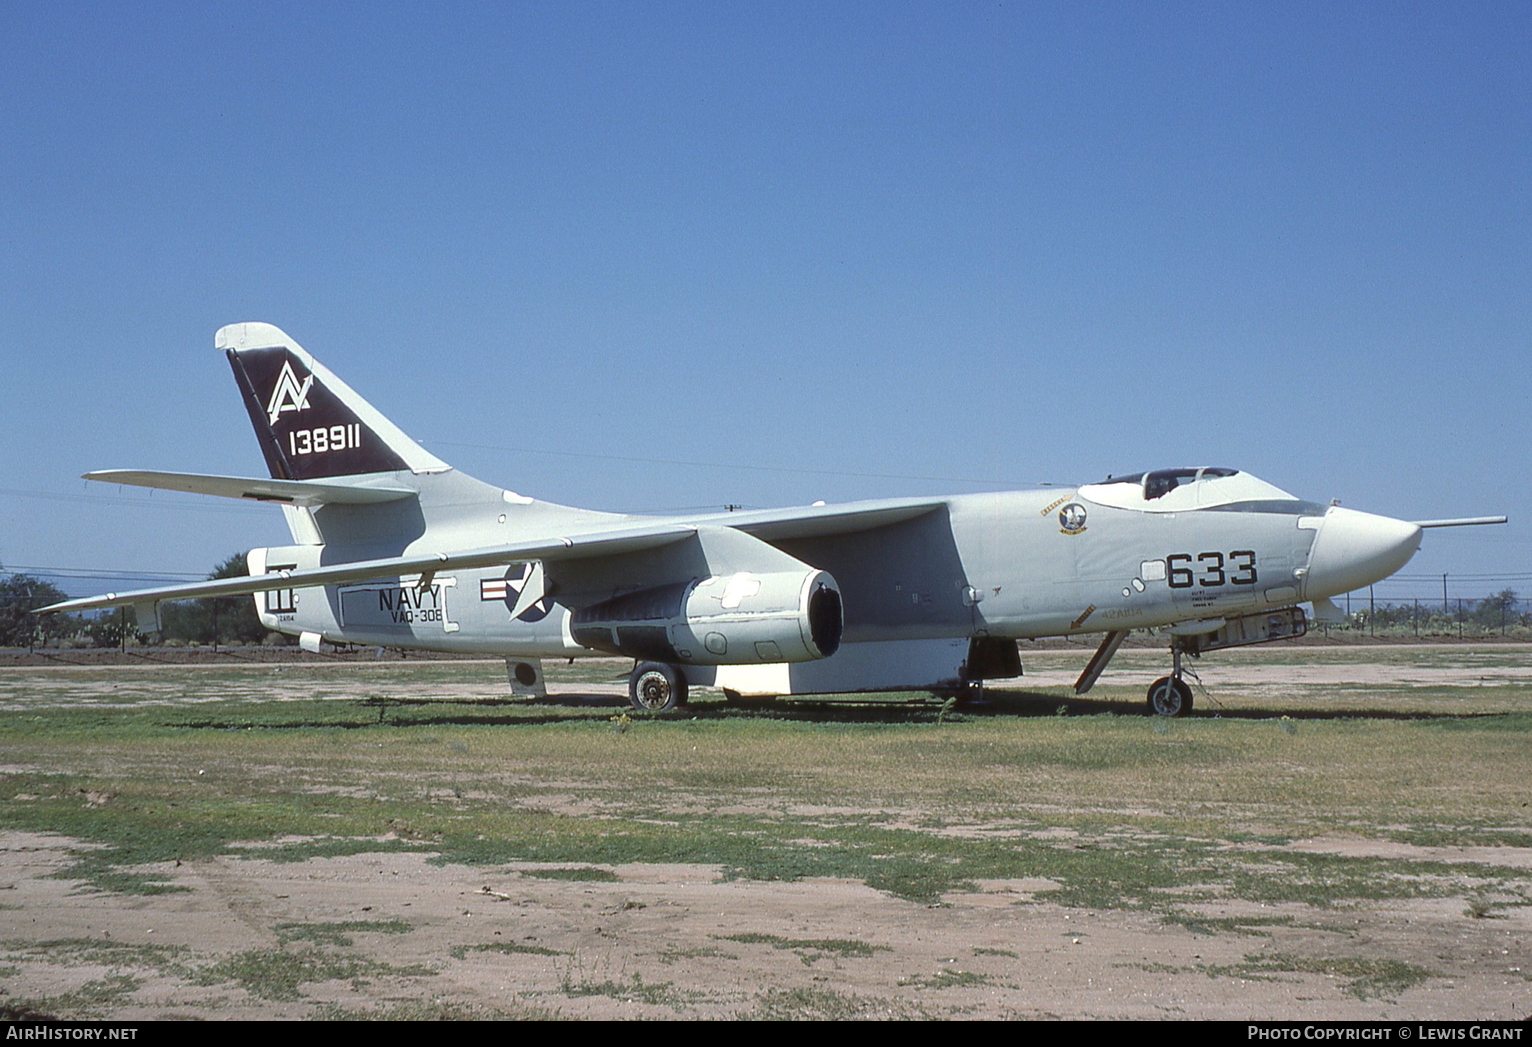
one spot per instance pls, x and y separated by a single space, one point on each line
288 395
1072 518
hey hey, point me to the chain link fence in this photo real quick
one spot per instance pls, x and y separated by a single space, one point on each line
1502 614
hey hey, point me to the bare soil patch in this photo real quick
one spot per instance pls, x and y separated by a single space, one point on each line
668 941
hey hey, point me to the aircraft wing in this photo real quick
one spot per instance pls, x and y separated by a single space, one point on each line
816 521
287 492
570 547
766 526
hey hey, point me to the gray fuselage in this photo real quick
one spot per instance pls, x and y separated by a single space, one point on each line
1019 564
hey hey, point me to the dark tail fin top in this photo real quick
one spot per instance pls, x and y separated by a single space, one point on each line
310 424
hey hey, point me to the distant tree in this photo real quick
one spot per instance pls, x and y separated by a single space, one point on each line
231 619
1400 615
20 594
1493 611
106 629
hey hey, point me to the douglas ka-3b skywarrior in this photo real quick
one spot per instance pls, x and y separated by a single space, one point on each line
392 546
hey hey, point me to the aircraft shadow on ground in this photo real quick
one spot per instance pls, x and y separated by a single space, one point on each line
1020 704
477 712
1029 704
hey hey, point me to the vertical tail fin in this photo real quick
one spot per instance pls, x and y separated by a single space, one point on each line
310 424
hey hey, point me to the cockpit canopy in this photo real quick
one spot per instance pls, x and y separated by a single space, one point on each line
1177 490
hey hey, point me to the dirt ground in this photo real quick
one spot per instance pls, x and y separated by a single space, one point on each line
678 941
390 934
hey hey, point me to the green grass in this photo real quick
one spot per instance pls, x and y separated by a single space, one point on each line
811 950
1254 926
138 770
1116 859
1364 978
635 990
699 952
579 874
278 974
946 978
433 1011
825 1005
92 1001
507 948
101 952
337 933
146 768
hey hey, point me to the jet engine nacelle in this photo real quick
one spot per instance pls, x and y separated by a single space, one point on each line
739 619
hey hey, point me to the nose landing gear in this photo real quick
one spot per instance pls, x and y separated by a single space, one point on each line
1171 695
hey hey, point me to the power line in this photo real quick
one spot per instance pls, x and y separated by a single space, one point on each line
1437 577
88 572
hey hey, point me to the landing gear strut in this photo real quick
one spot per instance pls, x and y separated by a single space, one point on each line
1170 695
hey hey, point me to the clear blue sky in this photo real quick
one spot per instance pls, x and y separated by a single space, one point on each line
826 250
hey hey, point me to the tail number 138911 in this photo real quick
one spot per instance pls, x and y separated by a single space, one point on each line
318 441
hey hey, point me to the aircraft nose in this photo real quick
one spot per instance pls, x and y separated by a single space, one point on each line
1355 549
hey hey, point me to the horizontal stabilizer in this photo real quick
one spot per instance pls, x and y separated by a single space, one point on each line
288 492
571 547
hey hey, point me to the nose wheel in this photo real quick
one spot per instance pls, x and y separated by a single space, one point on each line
1171 695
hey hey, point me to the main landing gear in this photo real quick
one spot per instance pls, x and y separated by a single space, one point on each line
655 687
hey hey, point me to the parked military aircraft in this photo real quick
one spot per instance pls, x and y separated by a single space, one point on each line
392 546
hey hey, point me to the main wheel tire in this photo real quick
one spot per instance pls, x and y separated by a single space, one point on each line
740 701
656 687
970 694
1170 697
